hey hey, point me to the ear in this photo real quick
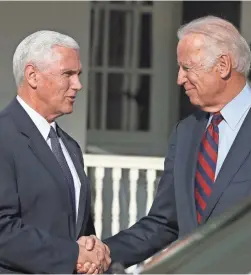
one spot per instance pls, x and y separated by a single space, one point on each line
30 74
224 66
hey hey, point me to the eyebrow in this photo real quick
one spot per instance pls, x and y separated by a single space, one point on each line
180 64
72 71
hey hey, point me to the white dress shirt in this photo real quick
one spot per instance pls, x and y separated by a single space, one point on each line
44 128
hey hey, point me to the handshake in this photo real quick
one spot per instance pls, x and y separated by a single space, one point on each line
93 257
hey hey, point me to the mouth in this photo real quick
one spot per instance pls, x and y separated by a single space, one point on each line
72 98
188 90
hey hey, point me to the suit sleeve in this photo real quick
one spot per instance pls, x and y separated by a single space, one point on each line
24 247
154 231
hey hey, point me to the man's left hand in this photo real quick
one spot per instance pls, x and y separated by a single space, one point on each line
92 242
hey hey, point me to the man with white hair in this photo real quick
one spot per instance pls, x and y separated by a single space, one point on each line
45 201
207 167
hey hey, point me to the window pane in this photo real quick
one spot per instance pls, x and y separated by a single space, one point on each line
114 98
120 35
142 99
145 47
127 110
97 37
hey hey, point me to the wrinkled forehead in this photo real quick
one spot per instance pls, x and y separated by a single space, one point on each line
190 49
65 53
65 57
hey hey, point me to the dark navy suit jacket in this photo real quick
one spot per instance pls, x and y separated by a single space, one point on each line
173 213
37 230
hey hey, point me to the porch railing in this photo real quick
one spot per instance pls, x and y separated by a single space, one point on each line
97 164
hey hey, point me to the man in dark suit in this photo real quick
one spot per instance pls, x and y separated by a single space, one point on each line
208 166
45 201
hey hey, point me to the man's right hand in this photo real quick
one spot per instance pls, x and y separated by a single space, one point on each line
94 255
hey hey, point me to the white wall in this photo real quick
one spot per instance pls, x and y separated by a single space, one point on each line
19 19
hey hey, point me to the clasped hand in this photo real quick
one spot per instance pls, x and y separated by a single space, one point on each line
94 255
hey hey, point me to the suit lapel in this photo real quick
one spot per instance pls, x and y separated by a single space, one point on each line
236 156
49 161
83 198
198 132
187 154
38 145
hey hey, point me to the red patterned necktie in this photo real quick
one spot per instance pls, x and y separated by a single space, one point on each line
206 165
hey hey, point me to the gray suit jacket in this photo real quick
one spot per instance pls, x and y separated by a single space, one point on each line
37 230
173 212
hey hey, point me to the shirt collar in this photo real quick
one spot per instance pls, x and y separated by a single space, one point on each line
237 107
40 122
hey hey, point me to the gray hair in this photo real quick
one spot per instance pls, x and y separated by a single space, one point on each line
220 37
37 48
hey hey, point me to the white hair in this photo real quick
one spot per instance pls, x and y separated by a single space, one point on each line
37 48
220 37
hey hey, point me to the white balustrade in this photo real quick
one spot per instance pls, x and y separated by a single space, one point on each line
116 176
151 177
98 206
133 175
117 162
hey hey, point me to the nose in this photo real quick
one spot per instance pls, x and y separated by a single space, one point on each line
76 83
181 79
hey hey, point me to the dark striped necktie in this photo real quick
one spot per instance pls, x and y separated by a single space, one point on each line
58 152
206 165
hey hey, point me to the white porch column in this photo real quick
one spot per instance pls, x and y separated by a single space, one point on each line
245 20
167 18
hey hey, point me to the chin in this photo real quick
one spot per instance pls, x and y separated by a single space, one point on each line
195 102
68 110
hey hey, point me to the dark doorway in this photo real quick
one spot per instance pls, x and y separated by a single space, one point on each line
194 9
